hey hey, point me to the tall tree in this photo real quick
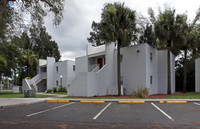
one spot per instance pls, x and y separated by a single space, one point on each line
165 31
118 24
30 61
37 9
43 45
184 30
148 36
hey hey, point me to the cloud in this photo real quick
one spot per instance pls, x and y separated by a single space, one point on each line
71 35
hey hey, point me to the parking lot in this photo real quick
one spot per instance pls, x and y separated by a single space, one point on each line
79 115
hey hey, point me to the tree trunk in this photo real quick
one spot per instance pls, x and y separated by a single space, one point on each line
118 67
185 71
168 67
1 82
2 6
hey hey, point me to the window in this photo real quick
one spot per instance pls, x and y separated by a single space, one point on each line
74 67
151 56
121 58
151 79
121 79
56 83
56 68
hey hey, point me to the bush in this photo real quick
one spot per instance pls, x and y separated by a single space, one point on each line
62 89
49 91
54 89
141 93
27 77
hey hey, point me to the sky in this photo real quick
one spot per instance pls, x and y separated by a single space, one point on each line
71 35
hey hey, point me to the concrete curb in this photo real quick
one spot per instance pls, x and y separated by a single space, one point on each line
119 101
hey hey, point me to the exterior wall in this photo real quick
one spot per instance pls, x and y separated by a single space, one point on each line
81 64
62 70
50 72
197 75
70 72
172 73
104 81
79 85
136 70
65 68
151 69
162 72
133 68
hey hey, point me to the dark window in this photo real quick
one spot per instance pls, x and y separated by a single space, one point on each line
56 68
121 80
151 56
121 58
74 67
56 83
151 79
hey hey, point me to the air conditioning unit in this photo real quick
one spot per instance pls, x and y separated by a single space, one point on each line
29 93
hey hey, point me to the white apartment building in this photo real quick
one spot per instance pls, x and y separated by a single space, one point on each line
51 74
141 66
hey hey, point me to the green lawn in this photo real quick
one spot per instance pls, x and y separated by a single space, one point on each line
189 95
58 93
9 94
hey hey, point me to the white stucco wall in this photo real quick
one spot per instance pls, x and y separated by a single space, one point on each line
81 64
197 75
70 72
162 72
152 69
133 67
65 68
50 72
136 69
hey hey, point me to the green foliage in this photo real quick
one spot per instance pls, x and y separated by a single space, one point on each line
49 91
27 77
140 93
43 46
54 89
117 23
62 89
148 36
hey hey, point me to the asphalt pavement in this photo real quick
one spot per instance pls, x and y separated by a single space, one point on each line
76 115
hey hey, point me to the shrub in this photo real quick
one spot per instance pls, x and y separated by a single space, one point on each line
27 77
54 89
141 93
49 90
62 89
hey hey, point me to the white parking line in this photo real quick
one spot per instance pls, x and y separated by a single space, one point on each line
163 112
102 111
49 109
196 103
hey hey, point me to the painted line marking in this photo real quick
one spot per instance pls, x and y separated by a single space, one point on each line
49 109
197 103
102 111
163 112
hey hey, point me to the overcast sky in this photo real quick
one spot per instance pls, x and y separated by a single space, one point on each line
71 35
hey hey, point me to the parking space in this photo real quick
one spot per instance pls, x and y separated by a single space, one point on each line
149 114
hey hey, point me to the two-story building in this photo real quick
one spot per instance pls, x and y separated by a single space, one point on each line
51 74
141 66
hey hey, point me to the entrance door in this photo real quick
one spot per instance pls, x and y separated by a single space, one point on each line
100 62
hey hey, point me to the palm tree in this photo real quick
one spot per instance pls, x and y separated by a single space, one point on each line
30 60
165 30
118 24
185 34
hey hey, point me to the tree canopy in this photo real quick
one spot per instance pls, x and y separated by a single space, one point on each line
118 24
